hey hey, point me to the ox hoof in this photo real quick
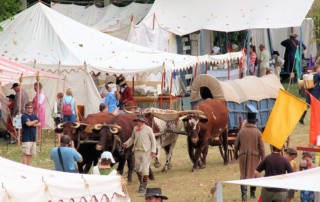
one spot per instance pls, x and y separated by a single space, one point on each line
157 165
165 169
202 166
194 169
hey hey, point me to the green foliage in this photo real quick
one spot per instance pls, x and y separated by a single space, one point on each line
9 8
314 13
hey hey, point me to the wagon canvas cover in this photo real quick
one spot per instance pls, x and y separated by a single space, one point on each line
239 90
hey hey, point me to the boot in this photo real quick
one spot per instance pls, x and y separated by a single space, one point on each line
253 192
302 117
144 184
140 181
243 193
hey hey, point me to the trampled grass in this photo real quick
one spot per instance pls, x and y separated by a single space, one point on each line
179 183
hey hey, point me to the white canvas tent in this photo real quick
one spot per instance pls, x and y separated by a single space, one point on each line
21 183
184 17
302 180
45 39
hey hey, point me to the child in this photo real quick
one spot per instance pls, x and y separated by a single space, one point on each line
104 166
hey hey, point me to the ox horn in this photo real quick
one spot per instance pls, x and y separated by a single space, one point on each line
98 126
77 125
183 117
203 116
60 126
114 130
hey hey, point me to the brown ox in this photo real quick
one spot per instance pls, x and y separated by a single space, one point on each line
110 141
207 120
82 133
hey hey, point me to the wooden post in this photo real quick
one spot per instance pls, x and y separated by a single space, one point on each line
169 103
229 70
162 86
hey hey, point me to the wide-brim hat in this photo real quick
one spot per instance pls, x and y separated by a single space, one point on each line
121 81
11 96
140 118
294 35
155 192
15 85
276 53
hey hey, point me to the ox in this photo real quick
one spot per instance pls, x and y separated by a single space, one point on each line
82 133
207 120
110 141
113 142
166 133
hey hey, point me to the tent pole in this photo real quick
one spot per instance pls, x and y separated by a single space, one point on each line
169 103
202 51
162 86
300 50
229 70
270 41
206 67
248 49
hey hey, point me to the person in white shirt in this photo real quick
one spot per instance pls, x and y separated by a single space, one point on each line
263 60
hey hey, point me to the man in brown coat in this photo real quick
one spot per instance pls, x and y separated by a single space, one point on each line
249 149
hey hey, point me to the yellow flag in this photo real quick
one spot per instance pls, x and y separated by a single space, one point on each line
283 118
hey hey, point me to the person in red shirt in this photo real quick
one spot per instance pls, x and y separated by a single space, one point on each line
125 91
10 117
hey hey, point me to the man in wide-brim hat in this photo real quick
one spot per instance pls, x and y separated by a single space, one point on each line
155 195
144 148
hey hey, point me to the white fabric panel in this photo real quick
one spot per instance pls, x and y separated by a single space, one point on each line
186 16
155 38
21 182
107 19
302 180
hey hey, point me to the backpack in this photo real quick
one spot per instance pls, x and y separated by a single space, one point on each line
67 108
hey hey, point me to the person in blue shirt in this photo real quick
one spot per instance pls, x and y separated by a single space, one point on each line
29 122
111 99
66 161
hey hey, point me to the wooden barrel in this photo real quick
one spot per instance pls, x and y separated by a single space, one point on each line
308 81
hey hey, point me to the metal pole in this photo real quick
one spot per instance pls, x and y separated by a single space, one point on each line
202 52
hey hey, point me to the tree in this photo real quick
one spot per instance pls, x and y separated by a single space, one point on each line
9 8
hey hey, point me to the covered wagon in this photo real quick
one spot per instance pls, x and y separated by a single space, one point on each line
260 92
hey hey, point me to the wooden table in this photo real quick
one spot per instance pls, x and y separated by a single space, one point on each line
150 101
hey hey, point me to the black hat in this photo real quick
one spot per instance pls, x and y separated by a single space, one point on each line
156 192
140 118
276 53
11 96
15 85
121 81
252 114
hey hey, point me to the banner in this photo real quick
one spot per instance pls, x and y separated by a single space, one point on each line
283 118
314 120
297 63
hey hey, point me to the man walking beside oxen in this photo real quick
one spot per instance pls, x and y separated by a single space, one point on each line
249 149
144 147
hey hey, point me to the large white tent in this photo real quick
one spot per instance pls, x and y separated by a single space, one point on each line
183 17
45 39
21 183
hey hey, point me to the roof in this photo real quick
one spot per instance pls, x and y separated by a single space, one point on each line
12 71
184 17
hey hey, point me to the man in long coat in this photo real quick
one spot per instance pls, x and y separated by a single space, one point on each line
249 149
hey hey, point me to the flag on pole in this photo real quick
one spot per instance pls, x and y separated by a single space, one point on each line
297 63
314 120
284 117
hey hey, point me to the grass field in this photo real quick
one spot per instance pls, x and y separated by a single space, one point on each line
179 183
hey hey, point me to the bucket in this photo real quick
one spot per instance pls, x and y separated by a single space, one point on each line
308 81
